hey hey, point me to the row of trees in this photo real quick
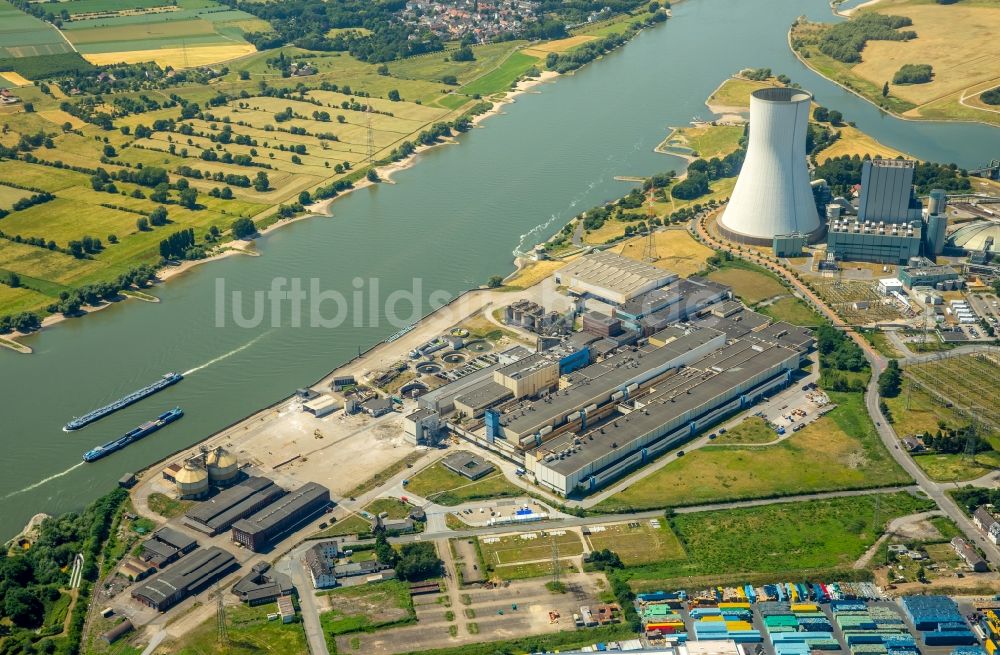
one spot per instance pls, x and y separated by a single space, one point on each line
842 173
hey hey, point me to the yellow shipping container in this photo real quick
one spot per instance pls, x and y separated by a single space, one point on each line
991 646
804 607
738 625
734 606
712 618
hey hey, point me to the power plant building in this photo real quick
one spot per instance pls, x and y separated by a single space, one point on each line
259 530
882 242
773 194
887 192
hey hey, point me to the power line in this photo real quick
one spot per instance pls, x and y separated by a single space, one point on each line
220 617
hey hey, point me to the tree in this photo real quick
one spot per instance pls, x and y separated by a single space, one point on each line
244 75
885 90
890 381
382 69
188 198
418 561
142 224
372 175
261 183
463 54
11 279
836 117
384 552
23 608
243 228
821 114
158 216
394 95
494 282
450 80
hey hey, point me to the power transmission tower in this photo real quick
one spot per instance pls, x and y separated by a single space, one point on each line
370 155
555 561
971 440
649 248
220 617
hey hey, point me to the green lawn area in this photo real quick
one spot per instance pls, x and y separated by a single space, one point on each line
780 538
794 311
880 342
839 451
562 640
753 430
385 474
710 141
353 524
751 283
957 467
166 506
637 542
249 633
735 92
447 488
395 508
528 547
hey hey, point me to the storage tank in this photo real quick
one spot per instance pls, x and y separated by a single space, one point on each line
773 195
937 227
937 202
192 480
222 467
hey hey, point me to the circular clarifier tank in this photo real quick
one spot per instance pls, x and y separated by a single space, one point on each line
479 346
429 368
454 358
413 389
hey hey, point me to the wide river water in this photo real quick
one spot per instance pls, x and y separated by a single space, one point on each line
451 222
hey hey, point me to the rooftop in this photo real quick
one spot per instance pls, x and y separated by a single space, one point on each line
615 272
487 394
191 573
279 511
231 504
526 366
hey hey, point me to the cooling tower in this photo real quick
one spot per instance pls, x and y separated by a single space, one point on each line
772 195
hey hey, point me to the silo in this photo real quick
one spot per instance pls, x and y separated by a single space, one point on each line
773 195
937 227
938 202
192 480
222 467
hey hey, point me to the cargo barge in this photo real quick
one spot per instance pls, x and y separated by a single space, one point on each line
167 380
131 436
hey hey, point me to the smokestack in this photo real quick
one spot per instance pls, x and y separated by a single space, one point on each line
773 195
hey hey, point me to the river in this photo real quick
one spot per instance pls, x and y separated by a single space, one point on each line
451 221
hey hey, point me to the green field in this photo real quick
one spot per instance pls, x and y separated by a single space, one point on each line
839 451
501 78
749 282
22 35
528 547
532 570
395 508
352 524
779 538
638 542
444 487
753 430
794 311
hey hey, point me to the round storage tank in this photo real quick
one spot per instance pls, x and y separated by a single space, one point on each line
222 467
192 480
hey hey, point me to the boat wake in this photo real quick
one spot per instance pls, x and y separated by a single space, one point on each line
35 485
226 355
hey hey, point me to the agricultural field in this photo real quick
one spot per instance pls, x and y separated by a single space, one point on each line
249 632
841 450
955 39
438 484
22 35
638 542
810 536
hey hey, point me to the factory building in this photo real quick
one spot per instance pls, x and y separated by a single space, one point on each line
475 403
191 480
887 192
442 399
529 376
612 278
773 194
869 241
532 316
166 546
925 275
263 585
259 530
229 506
467 465
223 468
189 576
631 430
421 427
789 245
976 237
678 301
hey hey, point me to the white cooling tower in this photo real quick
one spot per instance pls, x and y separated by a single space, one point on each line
772 195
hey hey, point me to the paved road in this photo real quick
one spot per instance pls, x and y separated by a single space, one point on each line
294 566
934 490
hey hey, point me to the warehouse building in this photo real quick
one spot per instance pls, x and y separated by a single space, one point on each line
467 465
191 575
240 501
612 278
263 585
166 546
631 430
927 275
259 530
475 403
678 301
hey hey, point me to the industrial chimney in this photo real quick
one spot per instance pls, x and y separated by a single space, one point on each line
772 195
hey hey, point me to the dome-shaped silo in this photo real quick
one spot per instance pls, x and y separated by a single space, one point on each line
772 195
192 480
222 467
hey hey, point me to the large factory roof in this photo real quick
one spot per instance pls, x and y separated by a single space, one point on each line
592 383
279 511
191 573
232 504
689 388
978 235
526 366
615 272
485 395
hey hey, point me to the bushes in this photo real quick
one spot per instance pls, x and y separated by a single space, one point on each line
913 74
845 41
991 97
243 228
